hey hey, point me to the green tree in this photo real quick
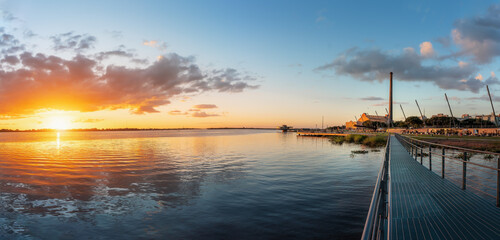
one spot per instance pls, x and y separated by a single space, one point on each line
400 124
414 122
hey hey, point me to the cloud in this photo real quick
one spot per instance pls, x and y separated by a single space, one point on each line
71 41
177 113
426 49
462 64
203 115
371 65
31 81
115 53
479 77
160 45
445 41
387 104
205 106
479 36
371 99
88 120
7 16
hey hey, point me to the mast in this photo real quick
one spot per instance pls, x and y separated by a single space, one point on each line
451 120
390 100
422 116
403 111
494 116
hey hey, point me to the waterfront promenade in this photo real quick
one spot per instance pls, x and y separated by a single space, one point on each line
425 206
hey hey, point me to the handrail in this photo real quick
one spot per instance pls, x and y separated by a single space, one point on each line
455 147
416 149
376 224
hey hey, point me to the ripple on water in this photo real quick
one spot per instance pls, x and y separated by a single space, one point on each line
197 185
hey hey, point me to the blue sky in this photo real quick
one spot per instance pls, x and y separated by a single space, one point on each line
282 45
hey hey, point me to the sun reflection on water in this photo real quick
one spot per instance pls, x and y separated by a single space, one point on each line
58 141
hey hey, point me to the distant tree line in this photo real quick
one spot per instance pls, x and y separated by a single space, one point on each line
443 122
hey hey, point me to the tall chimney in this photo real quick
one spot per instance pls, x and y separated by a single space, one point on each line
390 102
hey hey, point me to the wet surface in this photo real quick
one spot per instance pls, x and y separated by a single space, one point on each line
225 184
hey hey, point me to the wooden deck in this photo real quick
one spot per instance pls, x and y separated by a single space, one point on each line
425 206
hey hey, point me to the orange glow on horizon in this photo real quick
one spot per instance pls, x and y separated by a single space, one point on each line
59 123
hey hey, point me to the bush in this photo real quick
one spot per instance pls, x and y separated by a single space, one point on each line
375 141
461 156
359 151
337 139
370 141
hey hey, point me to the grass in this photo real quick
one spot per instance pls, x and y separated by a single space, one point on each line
369 141
461 156
359 151
488 156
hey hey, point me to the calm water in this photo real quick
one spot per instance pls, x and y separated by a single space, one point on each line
199 184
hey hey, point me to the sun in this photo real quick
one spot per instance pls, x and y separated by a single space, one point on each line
59 123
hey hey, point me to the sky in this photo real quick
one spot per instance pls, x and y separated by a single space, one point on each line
201 64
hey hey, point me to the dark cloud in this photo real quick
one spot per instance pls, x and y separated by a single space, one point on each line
83 83
479 36
371 99
445 41
203 115
114 53
204 106
371 65
11 60
485 98
9 44
71 41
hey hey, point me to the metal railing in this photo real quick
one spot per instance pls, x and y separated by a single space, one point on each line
458 168
377 225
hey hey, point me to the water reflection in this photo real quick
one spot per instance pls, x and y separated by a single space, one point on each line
243 186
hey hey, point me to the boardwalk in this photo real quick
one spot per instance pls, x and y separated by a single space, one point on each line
425 206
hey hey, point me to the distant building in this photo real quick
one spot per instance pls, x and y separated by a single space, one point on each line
488 117
466 116
350 125
365 117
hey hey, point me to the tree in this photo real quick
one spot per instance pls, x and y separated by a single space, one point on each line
374 125
442 122
414 122
400 124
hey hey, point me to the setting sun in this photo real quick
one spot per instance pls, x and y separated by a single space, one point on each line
59 123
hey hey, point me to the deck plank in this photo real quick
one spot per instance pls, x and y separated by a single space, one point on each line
425 206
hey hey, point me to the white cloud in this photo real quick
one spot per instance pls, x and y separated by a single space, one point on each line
426 49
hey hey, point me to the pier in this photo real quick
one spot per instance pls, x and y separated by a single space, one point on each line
413 201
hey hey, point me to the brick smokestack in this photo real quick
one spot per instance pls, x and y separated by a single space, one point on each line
390 101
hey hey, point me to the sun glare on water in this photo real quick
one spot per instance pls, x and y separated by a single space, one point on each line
59 123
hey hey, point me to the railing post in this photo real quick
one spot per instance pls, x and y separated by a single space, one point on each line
498 182
464 172
430 157
442 165
422 155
